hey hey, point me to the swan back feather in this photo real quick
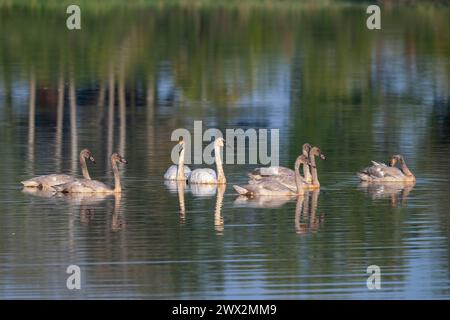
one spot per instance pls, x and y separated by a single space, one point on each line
205 175
171 173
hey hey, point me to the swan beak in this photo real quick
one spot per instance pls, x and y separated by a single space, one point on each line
122 160
92 159
322 156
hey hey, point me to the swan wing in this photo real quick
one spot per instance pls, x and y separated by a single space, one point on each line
393 172
274 186
378 163
286 181
272 171
205 175
171 172
187 172
48 181
82 186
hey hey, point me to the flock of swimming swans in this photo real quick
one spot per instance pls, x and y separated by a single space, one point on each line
274 181
282 181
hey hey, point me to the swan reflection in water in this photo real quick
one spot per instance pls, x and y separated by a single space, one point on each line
87 203
179 187
306 211
40 193
219 224
305 219
200 190
397 192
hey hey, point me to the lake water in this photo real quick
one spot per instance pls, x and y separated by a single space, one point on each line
315 73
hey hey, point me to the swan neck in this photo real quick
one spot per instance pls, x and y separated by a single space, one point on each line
315 179
117 185
219 167
405 169
307 173
115 218
180 171
84 169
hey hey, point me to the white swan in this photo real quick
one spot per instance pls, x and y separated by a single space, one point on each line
209 176
46 182
179 172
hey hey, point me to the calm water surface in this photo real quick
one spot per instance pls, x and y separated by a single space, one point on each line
314 73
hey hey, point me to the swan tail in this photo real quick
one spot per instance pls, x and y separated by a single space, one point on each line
363 176
253 176
241 191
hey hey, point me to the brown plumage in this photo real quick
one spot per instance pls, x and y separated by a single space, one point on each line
46 182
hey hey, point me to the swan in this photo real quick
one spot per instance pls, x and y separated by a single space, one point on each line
273 186
409 177
309 169
179 172
260 173
208 176
380 172
94 186
313 153
46 182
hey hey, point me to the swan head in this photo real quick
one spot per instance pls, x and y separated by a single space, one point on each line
181 144
118 158
306 148
87 154
315 151
393 160
219 142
